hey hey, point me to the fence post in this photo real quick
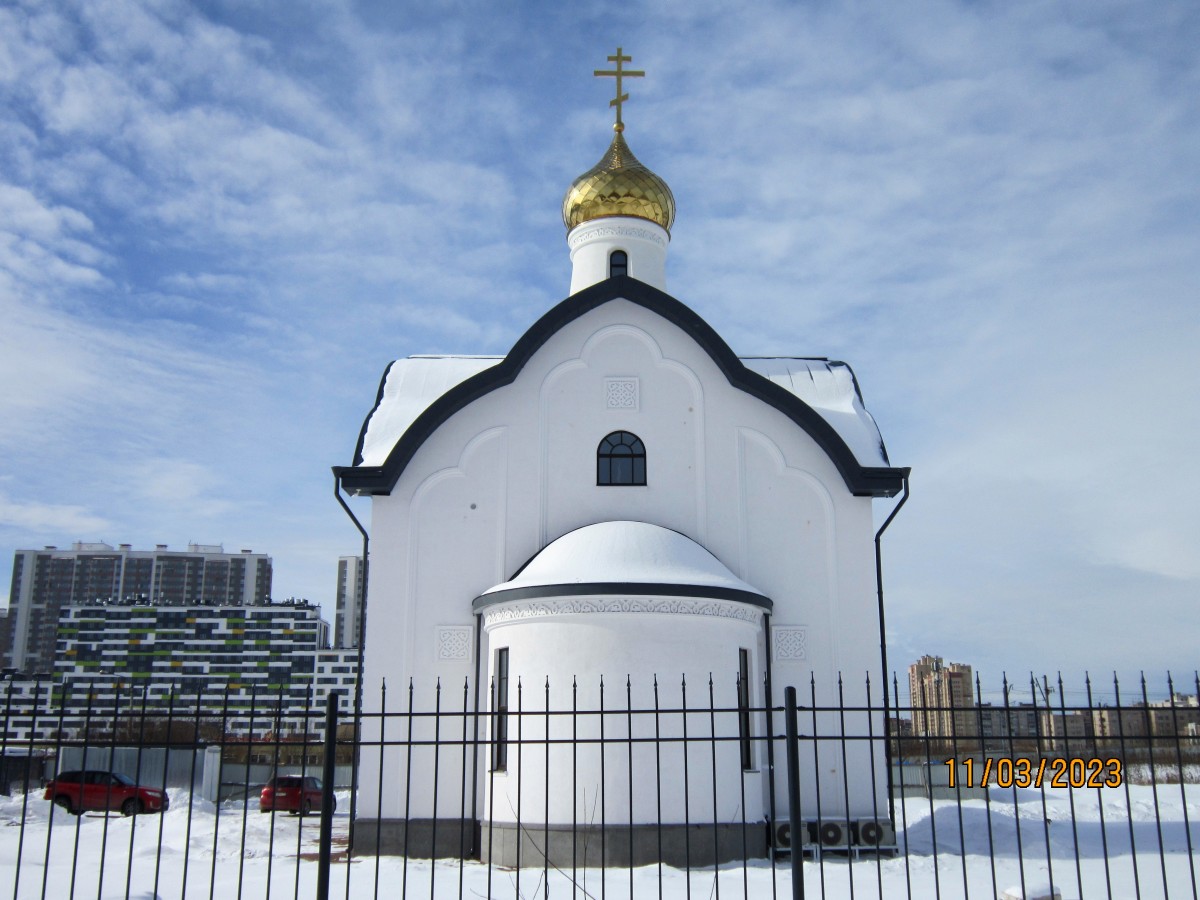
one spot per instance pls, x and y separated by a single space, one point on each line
795 825
327 774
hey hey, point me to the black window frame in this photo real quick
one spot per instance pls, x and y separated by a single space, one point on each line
500 711
745 737
618 266
614 451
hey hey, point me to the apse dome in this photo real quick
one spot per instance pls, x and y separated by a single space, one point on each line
625 558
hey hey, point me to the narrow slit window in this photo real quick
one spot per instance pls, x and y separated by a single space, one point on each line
744 736
618 263
621 459
500 711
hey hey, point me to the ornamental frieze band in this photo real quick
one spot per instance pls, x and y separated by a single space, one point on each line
530 609
580 235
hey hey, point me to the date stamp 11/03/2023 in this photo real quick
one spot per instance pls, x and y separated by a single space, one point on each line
1004 772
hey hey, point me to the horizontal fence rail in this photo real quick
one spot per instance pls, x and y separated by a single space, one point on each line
605 789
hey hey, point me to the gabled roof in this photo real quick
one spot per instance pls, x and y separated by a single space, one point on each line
418 394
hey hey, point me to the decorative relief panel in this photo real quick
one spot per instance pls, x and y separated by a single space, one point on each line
529 609
789 643
454 642
621 393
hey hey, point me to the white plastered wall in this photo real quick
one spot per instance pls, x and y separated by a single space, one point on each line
516 469
592 243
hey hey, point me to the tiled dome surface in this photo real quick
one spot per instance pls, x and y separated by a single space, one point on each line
619 185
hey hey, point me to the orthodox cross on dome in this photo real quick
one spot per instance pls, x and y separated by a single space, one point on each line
618 73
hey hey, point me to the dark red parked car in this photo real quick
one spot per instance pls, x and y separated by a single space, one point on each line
291 793
94 789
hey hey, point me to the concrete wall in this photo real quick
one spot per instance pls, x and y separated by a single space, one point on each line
146 766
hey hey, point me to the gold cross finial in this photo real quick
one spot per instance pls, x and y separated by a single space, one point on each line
618 73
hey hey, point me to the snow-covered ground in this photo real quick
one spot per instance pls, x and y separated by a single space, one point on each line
1113 851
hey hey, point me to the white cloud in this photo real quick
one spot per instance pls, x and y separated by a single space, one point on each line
23 214
190 490
45 245
49 518
219 224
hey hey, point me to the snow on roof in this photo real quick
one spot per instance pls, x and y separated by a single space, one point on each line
626 552
829 387
409 387
412 384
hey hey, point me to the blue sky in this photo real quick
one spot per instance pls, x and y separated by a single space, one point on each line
219 222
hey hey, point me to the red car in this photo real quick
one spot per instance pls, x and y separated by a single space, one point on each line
92 789
291 793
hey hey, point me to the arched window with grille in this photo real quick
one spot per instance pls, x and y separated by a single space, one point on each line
621 459
618 263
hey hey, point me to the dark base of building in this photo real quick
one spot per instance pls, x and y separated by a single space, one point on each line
622 846
563 846
417 838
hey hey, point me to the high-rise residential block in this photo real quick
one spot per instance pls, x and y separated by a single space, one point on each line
48 580
260 670
348 616
249 664
943 698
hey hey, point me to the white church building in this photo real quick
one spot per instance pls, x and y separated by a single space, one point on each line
619 498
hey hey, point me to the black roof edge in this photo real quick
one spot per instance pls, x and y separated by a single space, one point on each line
862 481
622 588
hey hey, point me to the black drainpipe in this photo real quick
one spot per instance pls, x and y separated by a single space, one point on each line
769 703
358 682
887 743
476 831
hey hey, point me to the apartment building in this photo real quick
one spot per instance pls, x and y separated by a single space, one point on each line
943 699
260 671
1176 716
48 580
348 613
254 667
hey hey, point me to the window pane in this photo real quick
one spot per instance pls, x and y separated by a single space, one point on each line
622 470
500 710
744 707
621 459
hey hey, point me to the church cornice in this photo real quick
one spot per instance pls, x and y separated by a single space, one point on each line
860 480
623 589
518 610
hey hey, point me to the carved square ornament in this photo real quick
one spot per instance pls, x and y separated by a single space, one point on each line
621 393
454 642
789 643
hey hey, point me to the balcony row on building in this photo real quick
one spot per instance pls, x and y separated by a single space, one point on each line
98 629
255 670
46 581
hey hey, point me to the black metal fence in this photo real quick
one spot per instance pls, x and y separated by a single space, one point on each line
605 791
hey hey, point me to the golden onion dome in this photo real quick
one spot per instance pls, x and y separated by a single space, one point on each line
618 185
